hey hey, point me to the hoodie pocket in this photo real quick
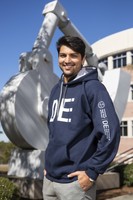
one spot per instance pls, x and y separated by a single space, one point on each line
56 158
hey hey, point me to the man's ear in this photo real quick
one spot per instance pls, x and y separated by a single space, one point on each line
83 60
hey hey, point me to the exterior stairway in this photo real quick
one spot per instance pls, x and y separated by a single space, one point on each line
111 179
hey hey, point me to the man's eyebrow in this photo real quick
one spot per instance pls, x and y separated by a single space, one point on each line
74 53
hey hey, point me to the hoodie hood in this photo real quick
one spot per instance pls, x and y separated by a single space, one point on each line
85 74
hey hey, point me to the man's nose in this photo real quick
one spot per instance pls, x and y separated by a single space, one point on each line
67 59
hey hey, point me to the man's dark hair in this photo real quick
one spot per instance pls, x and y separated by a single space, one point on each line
75 43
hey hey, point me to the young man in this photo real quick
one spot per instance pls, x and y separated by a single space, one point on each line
84 130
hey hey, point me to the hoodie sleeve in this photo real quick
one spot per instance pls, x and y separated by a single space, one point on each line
106 128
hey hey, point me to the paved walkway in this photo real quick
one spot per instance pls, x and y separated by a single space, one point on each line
127 197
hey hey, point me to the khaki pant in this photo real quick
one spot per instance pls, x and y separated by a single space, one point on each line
66 191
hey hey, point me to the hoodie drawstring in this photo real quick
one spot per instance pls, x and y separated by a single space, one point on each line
63 90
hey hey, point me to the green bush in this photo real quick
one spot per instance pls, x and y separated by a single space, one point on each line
128 175
5 151
8 190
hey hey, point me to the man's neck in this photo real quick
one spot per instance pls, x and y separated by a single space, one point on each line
68 79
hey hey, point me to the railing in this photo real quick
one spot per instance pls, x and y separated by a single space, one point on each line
125 157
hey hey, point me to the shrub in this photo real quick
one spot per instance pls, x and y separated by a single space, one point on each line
128 175
8 190
5 151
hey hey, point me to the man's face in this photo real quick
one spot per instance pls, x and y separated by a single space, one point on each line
70 62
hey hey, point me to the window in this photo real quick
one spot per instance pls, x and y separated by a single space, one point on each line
131 87
132 128
119 60
132 56
124 128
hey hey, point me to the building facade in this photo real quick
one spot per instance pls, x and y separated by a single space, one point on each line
116 51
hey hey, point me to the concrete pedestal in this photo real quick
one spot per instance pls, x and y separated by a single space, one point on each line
109 180
26 164
26 171
29 188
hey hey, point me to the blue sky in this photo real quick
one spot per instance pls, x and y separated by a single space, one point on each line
20 22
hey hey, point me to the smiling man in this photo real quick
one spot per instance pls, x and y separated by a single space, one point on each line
84 130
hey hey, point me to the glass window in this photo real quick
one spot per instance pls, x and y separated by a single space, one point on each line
132 56
124 128
132 128
131 87
119 60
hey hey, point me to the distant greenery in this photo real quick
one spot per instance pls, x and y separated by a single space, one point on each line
5 151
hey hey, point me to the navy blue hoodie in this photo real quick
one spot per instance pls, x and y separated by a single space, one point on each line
84 130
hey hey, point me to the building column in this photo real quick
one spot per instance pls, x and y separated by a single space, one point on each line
110 62
129 128
129 58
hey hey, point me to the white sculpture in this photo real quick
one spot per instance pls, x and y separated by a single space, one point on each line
24 98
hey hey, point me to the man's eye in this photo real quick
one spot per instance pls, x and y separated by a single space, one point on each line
74 56
62 55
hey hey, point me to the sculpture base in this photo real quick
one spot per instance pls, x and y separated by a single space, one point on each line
26 164
26 171
28 188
